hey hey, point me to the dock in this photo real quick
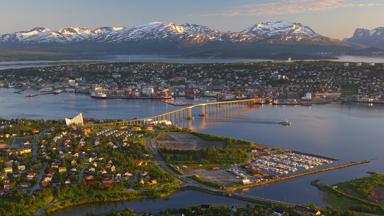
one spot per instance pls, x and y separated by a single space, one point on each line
40 94
177 103
20 91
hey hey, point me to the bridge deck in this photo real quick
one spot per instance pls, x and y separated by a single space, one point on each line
180 111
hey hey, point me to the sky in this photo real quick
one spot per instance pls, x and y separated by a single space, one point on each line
333 18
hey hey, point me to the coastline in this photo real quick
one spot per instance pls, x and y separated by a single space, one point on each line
53 207
166 99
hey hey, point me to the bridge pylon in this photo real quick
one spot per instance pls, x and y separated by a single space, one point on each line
203 111
189 113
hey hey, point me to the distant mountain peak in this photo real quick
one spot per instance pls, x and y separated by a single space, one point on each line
40 29
34 31
366 37
280 29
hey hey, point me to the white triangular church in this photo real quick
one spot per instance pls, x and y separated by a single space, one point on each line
77 120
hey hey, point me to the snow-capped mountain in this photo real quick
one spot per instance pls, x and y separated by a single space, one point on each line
281 30
264 40
370 38
64 35
38 34
165 31
186 33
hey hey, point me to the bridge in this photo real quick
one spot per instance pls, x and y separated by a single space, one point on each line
184 116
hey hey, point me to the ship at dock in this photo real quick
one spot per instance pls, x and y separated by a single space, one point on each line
99 95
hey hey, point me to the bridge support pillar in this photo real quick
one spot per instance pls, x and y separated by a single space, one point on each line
180 119
203 111
189 113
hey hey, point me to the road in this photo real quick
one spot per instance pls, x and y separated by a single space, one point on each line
35 145
38 179
159 160
81 174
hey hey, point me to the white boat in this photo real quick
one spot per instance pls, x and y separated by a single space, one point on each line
285 123
99 95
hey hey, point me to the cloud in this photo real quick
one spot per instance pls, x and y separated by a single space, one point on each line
287 7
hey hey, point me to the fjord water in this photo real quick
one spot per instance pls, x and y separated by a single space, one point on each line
182 199
170 59
348 132
341 131
14 105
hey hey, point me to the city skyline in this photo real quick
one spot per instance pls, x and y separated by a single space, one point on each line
333 18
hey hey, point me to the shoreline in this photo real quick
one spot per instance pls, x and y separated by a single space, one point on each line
56 205
164 99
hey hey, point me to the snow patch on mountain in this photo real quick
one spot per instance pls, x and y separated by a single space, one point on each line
280 29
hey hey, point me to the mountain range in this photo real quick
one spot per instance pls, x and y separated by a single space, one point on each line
189 33
278 39
366 37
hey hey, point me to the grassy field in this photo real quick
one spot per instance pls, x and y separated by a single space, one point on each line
207 150
207 182
370 188
185 142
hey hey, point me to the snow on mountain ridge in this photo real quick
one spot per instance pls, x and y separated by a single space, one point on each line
280 28
191 33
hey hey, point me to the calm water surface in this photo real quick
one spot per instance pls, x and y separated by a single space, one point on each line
170 59
345 132
179 200
65 105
